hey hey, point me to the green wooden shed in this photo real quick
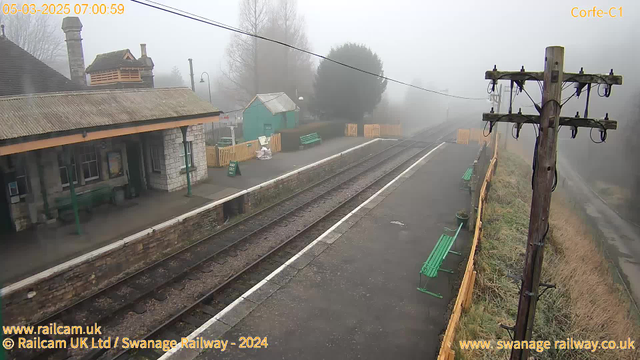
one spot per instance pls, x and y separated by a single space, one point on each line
268 113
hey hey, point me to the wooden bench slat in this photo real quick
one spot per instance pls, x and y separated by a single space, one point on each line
310 138
440 251
467 174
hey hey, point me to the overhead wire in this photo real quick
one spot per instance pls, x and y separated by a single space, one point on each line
184 14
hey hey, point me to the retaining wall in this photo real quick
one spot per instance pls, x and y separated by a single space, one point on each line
40 295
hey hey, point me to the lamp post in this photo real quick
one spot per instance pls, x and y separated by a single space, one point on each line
208 83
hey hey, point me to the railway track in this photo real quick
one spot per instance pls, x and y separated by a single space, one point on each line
174 296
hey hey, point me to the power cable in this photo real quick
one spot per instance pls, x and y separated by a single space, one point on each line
207 21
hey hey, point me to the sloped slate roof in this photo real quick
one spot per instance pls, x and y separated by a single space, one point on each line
276 102
22 73
113 60
24 116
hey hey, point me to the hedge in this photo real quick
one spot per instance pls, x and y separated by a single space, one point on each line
325 129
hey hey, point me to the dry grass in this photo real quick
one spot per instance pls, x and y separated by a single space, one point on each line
587 304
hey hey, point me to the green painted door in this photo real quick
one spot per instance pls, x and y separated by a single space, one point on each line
268 130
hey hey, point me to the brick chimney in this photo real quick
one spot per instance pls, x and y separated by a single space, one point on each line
147 73
72 28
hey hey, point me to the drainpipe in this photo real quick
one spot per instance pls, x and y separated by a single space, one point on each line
72 188
43 187
186 158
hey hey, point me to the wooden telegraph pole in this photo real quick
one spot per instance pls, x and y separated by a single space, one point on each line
544 176
541 199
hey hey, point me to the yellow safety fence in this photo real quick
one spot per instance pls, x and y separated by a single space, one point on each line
465 294
466 135
217 157
378 130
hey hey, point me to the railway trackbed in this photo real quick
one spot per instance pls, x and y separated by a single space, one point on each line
174 296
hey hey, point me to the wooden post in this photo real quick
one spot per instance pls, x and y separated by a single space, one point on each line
469 294
541 201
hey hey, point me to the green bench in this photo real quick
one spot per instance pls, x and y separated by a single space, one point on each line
466 178
310 139
86 200
431 267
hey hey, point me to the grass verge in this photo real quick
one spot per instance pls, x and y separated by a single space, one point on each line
587 304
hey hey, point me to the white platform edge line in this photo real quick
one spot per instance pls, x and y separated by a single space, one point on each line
242 297
121 243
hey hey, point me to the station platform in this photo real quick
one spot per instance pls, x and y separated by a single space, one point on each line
352 293
29 252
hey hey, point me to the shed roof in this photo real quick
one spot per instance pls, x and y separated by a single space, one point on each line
33 115
275 102
114 60
22 73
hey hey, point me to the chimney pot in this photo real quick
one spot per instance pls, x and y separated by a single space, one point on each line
143 50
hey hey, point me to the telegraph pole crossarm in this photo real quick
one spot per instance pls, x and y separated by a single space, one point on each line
608 79
548 121
564 120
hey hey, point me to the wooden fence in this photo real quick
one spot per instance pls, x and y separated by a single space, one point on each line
463 136
351 130
217 157
390 130
378 130
466 135
275 144
371 130
465 294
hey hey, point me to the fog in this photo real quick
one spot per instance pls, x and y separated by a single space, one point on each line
445 46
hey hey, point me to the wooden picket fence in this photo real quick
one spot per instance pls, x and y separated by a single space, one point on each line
466 135
465 294
371 130
391 130
217 157
378 130
463 136
275 144
351 130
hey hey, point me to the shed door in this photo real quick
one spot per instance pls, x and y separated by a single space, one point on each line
268 130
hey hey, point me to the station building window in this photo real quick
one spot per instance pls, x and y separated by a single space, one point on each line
89 162
157 156
189 154
64 175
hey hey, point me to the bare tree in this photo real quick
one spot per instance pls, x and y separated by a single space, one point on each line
255 66
294 69
37 34
243 51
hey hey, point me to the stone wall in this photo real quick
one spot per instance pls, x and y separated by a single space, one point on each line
95 271
36 297
174 163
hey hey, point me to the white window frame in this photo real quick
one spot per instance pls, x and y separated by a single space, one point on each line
84 153
156 163
74 167
189 153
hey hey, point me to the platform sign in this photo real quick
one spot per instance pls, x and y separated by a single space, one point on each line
234 169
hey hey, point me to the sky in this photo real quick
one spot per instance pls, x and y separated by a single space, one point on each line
446 44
